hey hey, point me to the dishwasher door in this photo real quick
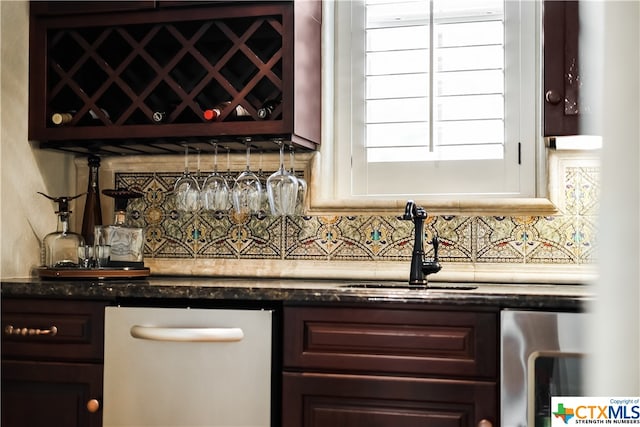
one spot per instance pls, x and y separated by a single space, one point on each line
187 367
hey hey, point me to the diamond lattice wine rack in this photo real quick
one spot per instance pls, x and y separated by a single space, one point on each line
147 81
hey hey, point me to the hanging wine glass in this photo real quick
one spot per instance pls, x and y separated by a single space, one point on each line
247 191
264 200
186 189
302 186
197 178
282 189
214 194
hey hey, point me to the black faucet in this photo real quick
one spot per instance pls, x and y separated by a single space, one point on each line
419 267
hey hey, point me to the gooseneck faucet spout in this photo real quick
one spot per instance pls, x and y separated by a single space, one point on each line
417 215
419 267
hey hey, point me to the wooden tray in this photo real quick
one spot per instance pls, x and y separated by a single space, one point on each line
93 273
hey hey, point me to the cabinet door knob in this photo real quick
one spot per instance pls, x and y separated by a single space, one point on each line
93 406
552 97
485 423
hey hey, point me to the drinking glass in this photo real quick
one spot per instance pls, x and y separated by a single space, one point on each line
103 252
85 255
214 194
282 190
186 189
101 248
302 186
247 190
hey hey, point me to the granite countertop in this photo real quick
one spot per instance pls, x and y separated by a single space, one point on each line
526 296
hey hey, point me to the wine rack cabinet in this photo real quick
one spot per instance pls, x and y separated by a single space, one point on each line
139 82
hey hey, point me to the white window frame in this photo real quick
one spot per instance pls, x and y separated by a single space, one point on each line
331 169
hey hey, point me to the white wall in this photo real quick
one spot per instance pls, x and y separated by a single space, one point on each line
25 216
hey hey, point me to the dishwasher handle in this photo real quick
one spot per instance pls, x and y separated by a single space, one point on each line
186 334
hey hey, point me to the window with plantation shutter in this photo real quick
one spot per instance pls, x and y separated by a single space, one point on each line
436 97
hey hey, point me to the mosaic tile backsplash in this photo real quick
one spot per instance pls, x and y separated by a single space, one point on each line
567 238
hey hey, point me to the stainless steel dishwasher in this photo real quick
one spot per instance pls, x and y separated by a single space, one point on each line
187 367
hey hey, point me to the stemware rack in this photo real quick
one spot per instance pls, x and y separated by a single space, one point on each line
138 82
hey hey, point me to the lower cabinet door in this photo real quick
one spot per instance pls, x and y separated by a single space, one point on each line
48 394
329 400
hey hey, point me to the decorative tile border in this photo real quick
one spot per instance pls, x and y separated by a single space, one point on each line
568 238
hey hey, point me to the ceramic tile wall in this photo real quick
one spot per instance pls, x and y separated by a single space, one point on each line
567 238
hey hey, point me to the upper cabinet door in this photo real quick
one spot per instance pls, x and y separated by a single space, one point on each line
561 87
145 81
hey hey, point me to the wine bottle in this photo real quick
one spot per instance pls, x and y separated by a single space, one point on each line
90 118
214 113
92 214
160 109
267 108
95 116
60 119
158 116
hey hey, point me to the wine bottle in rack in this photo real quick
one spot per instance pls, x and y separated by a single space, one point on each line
60 119
158 116
90 118
96 119
267 108
238 112
92 214
160 109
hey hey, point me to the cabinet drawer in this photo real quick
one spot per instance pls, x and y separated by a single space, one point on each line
52 330
397 341
327 400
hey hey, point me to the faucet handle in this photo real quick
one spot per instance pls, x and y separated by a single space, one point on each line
436 244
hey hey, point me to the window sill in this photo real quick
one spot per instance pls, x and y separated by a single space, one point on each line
320 203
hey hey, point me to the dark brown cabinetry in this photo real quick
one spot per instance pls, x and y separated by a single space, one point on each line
139 81
52 355
87 6
561 68
389 367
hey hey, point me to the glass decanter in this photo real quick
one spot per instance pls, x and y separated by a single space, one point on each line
61 247
124 244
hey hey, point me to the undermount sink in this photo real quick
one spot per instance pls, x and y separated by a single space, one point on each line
397 285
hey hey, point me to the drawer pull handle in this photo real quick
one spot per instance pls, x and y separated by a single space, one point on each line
485 423
93 406
187 334
10 330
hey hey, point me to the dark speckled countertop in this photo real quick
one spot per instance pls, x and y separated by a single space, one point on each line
291 291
